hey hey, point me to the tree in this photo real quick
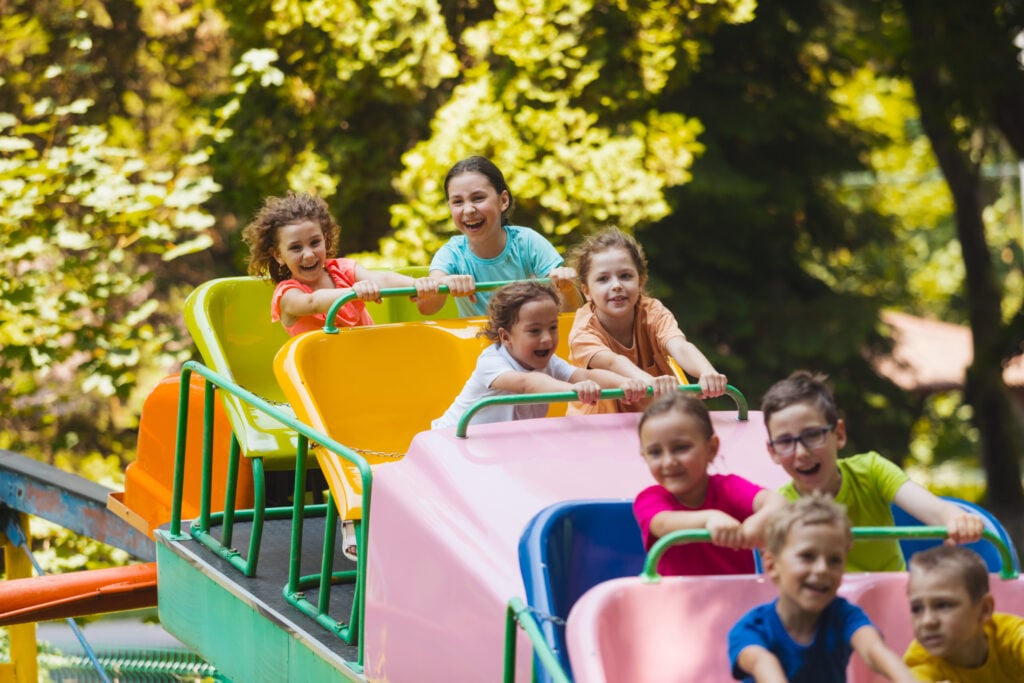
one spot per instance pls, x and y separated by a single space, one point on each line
970 89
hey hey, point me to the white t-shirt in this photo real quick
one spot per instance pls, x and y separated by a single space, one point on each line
495 360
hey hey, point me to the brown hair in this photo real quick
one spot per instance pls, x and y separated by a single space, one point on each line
814 508
685 404
503 308
611 238
277 212
962 562
800 387
487 168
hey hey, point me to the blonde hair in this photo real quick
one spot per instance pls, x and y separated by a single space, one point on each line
962 562
814 508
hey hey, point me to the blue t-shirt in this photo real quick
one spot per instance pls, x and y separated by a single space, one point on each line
526 254
823 661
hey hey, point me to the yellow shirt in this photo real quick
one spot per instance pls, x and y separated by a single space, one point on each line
1005 663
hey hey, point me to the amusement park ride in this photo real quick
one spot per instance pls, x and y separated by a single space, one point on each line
486 552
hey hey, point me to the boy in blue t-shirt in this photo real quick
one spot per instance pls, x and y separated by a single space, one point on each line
808 633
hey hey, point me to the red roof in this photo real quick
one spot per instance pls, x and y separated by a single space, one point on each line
931 355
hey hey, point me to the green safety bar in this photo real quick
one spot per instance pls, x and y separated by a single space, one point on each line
332 312
863 533
565 396
518 612
293 592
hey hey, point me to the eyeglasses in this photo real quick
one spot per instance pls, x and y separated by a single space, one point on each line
810 438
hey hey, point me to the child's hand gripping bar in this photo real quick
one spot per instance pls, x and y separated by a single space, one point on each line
331 328
565 396
862 533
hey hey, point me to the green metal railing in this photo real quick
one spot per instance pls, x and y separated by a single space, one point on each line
566 396
519 613
200 528
332 312
864 533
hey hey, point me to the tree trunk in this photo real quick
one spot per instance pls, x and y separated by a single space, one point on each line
984 390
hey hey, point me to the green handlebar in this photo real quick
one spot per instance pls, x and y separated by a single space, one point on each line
869 533
332 312
565 396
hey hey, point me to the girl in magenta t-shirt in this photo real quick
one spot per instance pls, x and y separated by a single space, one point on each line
290 240
678 443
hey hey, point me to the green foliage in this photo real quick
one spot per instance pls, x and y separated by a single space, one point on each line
83 226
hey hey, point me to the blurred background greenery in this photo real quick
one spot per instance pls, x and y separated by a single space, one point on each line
794 169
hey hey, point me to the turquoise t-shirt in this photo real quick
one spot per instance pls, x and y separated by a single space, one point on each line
870 483
526 254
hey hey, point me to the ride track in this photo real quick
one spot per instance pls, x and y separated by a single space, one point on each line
529 519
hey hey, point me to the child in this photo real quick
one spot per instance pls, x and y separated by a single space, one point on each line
679 443
523 324
290 240
488 248
808 633
958 637
623 330
805 434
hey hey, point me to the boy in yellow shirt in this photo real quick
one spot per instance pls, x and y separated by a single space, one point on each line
958 636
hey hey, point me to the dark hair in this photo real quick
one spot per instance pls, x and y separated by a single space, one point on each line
277 212
686 404
611 238
814 508
800 387
503 308
966 564
486 167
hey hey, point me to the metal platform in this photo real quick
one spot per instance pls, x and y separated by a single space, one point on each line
244 626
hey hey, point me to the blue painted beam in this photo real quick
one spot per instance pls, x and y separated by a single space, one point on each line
69 500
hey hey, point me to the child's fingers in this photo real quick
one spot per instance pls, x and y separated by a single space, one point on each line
965 529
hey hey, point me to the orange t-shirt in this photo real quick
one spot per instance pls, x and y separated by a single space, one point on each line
352 314
653 326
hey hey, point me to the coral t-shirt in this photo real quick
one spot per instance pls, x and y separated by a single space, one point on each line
352 314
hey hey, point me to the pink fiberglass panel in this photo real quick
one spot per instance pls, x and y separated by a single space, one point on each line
446 523
625 630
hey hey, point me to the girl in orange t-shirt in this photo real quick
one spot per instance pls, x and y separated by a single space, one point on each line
290 241
623 330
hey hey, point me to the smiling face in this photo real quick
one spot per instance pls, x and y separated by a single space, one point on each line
302 249
812 469
809 568
946 620
613 283
678 450
534 335
476 206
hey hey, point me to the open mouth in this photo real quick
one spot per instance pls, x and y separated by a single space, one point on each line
474 225
808 471
542 353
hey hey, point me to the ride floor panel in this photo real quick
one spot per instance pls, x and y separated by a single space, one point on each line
258 599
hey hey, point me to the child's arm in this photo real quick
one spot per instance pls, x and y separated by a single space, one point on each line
766 504
961 526
868 643
386 279
296 304
725 530
760 663
620 365
695 363
516 382
458 285
563 278
634 389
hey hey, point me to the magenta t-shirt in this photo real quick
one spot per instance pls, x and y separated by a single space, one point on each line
729 493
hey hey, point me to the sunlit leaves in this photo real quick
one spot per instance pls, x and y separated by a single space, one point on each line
81 223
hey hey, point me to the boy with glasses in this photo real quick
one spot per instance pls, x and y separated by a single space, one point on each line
805 434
